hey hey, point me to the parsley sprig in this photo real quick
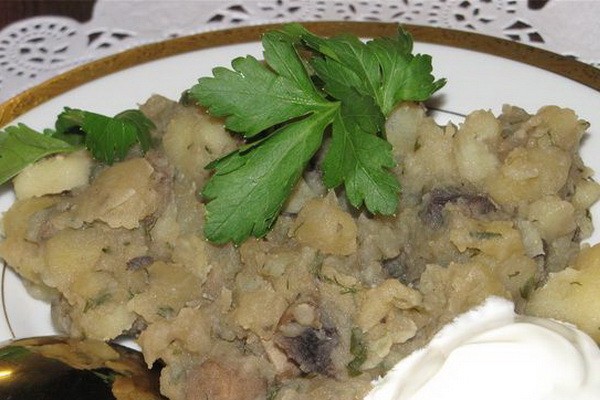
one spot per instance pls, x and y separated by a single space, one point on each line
107 138
284 107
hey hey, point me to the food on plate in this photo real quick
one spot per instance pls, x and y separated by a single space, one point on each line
342 281
333 296
572 294
538 359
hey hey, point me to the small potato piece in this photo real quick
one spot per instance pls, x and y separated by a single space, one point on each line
300 194
24 255
53 175
322 225
70 256
121 196
433 143
499 239
572 294
532 240
191 326
377 302
220 380
381 338
170 287
474 152
564 127
193 139
552 216
401 128
459 287
192 252
528 174
587 192
259 311
104 322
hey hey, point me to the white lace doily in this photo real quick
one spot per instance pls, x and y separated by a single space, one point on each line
36 49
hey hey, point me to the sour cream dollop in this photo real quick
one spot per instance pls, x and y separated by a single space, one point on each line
491 353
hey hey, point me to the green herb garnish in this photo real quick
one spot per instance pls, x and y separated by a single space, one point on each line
284 107
108 139
359 350
97 301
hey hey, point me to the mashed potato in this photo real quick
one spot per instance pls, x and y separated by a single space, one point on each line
333 296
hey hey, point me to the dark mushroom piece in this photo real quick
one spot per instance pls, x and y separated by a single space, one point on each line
311 350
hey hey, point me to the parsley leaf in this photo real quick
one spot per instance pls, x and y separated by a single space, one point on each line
20 146
383 68
361 160
357 156
143 125
284 106
68 127
254 97
259 179
108 139
404 77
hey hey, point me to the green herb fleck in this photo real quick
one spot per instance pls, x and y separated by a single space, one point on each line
92 303
358 350
273 392
107 375
527 288
166 312
483 235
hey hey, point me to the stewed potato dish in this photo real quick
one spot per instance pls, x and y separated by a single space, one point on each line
333 296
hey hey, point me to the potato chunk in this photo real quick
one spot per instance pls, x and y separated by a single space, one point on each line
192 140
475 143
552 216
530 173
563 126
377 302
170 288
402 126
572 294
322 225
121 195
15 249
89 267
53 175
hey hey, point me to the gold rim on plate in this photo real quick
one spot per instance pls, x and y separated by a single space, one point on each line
564 66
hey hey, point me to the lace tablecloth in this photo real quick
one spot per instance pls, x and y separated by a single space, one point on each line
36 49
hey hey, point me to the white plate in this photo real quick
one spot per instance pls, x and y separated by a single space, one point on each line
475 81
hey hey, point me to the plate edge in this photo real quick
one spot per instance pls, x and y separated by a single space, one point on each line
564 66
